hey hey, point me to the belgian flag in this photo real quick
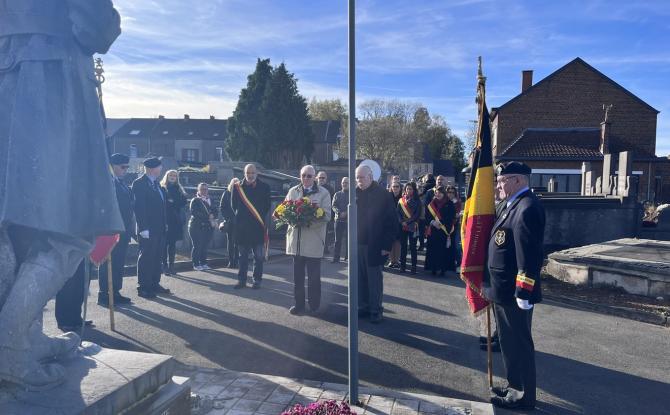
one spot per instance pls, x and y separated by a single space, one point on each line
479 209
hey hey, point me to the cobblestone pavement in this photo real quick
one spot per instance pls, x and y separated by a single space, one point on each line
220 391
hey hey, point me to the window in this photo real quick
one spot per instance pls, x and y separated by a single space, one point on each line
133 150
190 154
219 153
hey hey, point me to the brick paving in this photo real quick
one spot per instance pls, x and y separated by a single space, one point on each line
226 392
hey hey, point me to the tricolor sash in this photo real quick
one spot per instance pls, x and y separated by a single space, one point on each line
438 217
404 206
256 215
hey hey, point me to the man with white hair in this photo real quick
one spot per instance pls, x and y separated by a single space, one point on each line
250 201
377 227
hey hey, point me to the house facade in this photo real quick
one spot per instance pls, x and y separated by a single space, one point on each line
577 114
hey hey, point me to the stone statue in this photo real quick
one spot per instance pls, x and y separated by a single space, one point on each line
56 193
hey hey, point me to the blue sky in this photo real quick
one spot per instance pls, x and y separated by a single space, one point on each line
176 57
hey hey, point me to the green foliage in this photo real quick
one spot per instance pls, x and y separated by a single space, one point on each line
270 124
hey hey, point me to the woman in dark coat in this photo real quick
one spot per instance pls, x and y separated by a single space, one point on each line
174 217
409 212
394 257
200 229
440 215
228 224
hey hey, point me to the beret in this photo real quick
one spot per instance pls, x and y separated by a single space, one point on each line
513 167
152 162
118 158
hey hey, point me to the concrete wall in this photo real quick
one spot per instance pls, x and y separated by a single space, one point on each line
578 221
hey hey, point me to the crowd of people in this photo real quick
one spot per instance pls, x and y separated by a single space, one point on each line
393 223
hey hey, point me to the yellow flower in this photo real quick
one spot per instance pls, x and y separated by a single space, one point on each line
319 213
280 209
306 200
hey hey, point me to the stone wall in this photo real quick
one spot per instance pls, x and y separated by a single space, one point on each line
578 221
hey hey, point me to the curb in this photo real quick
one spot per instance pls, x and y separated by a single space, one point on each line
628 313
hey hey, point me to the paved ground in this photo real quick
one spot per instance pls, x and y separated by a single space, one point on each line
586 362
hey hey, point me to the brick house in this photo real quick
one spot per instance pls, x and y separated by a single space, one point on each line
559 122
190 140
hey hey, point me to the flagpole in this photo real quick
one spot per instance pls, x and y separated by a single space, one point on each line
489 354
352 215
110 292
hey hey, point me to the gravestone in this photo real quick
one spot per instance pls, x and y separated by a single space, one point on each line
607 175
625 167
599 186
587 179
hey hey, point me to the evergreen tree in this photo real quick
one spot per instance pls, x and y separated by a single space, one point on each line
270 124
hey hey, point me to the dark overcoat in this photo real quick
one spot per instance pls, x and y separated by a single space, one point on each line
174 212
438 256
377 222
149 206
126 202
200 212
515 252
248 231
54 172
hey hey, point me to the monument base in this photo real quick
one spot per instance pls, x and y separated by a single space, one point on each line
639 266
106 381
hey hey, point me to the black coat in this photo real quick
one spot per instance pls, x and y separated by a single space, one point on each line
377 222
226 208
149 206
249 231
200 212
515 252
438 256
126 201
174 212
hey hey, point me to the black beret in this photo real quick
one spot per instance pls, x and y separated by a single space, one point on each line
118 158
513 167
152 162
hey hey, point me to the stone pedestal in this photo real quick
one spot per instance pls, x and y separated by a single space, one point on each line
106 381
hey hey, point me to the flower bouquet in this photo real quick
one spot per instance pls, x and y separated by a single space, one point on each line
320 408
297 213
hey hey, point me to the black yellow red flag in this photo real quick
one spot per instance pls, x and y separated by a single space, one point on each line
479 209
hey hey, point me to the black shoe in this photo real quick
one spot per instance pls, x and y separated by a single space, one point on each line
442 273
413 271
507 403
240 285
375 318
120 299
499 391
162 290
296 311
146 294
402 269
433 272
103 300
256 286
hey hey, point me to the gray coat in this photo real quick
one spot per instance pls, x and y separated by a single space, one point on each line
55 175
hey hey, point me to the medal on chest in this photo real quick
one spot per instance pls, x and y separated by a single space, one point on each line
499 237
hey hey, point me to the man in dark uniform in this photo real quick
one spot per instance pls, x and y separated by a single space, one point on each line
124 197
322 180
251 202
514 263
151 226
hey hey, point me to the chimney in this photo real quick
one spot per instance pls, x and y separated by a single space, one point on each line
186 117
161 117
211 117
526 80
605 137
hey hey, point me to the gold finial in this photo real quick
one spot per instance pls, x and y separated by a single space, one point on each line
99 71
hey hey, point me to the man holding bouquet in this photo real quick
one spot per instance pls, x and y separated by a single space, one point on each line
306 210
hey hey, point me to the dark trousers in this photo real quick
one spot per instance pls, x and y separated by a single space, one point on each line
330 235
200 238
370 283
149 262
406 236
259 257
70 298
313 266
170 252
340 240
232 248
422 233
516 345
118 263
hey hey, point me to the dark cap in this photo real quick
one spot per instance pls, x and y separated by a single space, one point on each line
513 167
118 159
152 162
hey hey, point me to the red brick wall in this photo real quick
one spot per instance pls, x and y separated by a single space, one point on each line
574 98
